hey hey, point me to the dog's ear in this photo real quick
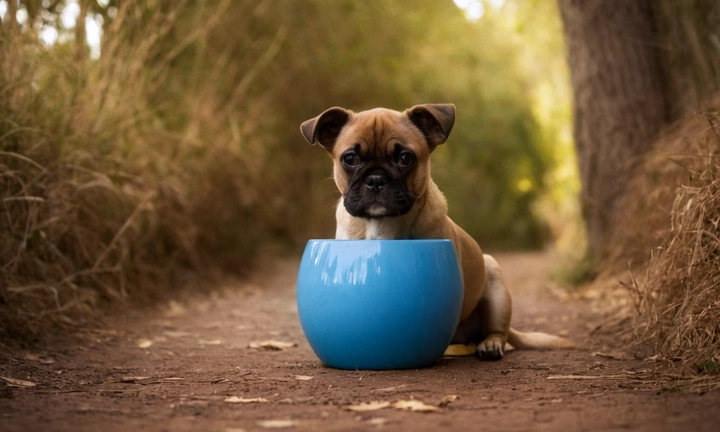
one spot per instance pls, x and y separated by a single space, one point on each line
435 121
326 127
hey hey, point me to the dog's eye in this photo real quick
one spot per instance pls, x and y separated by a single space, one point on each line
350 160
406 159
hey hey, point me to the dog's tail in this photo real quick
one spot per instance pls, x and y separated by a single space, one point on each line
537 340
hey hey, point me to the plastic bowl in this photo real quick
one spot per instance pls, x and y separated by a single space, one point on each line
379 304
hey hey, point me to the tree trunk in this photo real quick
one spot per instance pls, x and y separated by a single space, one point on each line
620 100
12 16
81 48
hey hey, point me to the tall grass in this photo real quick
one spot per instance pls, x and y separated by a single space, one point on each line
678 297
668 234
103 197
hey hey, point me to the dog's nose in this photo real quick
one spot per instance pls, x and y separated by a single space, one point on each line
375 182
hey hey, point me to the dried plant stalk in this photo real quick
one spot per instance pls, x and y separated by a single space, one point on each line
678 301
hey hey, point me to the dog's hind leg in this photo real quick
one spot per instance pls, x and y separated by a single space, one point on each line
495 312
489 323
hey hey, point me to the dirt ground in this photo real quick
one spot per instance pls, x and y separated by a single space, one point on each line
188 365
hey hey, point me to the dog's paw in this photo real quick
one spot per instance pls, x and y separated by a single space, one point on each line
491 348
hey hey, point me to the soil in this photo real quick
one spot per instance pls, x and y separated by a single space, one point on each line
188 365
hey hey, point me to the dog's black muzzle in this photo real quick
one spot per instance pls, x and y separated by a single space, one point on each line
378 192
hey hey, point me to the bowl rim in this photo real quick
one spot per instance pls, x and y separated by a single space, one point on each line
433 240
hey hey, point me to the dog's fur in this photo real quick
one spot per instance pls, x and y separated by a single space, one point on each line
382 169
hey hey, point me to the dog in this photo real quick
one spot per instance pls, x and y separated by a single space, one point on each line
381 166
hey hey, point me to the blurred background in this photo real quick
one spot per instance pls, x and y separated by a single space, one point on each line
145 141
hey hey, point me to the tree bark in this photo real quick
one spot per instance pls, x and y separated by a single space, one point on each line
81 48
620 100
12 16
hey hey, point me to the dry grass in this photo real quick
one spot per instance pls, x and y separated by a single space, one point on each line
102 198
666 229
672 214
642 223
679 300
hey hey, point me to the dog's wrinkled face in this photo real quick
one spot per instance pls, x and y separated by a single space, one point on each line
381 157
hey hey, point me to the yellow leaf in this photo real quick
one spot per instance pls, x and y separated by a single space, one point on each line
235 399
132 379
12 382
415 405
277 424
368 406
272 345
456 350
303 377
144 343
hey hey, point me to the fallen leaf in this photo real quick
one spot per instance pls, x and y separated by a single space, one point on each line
277 424
39 358
378 421
176 334
192 403
144 343
168 380
636 372
235 399
129 379
303 377
12 382
415 405
585 377
611 355
272 345
175 310
367 406
457 350
389 389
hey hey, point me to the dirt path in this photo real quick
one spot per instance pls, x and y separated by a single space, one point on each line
179 368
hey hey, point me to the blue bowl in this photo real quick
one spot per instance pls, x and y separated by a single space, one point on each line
379 304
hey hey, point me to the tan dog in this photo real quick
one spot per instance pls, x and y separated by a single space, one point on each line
382 169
